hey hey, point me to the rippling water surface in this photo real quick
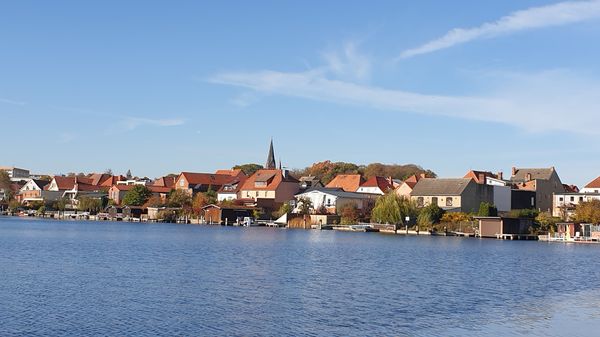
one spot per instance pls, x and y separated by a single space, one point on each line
102 278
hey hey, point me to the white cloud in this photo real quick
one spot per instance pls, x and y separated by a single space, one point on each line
561 13
10 101
131 123
548 101
348 62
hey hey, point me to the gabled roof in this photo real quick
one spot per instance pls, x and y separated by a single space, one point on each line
520 174
273 178
477 175
40 183
381 182
571 188
164 182
207 178
153 189
434 186
594 183
338 192
234 186
347 182
233 173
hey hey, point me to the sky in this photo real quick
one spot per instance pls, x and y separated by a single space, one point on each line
161 87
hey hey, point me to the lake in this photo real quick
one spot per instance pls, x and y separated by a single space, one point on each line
131 279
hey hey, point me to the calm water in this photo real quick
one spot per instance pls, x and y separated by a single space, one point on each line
100 278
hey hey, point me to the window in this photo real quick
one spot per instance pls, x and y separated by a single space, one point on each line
532 201
181 183
420 201
572 198
434 200
580 199
449 201
560 199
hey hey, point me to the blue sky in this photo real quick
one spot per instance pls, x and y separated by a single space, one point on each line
162 87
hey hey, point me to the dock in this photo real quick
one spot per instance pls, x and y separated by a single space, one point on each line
516 237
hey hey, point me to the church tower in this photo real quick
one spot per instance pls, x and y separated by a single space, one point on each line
271 165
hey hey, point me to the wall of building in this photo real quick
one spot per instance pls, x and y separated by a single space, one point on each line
502 198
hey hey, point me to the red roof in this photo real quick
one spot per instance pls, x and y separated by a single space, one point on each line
478 175
233 173
383 183
347 182
164 182
207 178
594 183
271 178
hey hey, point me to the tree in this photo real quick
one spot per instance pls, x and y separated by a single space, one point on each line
305 205
524 213
349 214
5 181
546 223
248 169
456 217
92 205
387 209
284 209
429 215
487 209
128 175
137 196
211 196
60 204
588 212
109 172
179 198
200 200
155 201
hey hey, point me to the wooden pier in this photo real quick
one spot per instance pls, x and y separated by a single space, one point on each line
516 237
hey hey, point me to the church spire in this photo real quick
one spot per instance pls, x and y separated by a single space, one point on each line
271 165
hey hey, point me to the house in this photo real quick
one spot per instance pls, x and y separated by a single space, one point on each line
34 190
309 182
376 185
491 227
270 188
334 199
454 195
117 192
502 195
167 181
564 204
226 215
74 187
545 182
231 191
193 183
347 182
15 173
592 187
406 187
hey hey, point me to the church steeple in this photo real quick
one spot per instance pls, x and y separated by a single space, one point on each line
271 165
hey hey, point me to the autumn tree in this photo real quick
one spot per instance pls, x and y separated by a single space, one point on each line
179 198
137 196
248 169
200 200
349 214
588 212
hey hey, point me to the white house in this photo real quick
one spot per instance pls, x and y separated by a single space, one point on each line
592 187
334 199
564 204
376 185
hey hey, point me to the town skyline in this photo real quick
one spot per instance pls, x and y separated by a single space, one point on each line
205 87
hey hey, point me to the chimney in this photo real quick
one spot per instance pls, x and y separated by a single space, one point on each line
514 170
528 176
500 175
284 173
391 181
481 177
423 175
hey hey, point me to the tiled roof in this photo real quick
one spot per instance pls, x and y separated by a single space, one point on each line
272 178
207 178
153 189
520 174
433 187
475 175
233 173
594 183
164 182
381 182
347 182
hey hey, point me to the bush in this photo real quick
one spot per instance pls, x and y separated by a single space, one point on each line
524 213
429 215
487 209
349 214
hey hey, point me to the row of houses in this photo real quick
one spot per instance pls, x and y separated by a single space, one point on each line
269 188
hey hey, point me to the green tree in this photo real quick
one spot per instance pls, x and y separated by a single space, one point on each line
387 209
429 215
87 204
248 169
546 223
284 209
305 205
588 212
487 209
137 196
211 196
60 204
180 198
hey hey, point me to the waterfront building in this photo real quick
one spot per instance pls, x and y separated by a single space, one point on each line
453 195
193 183
545 182
334 199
